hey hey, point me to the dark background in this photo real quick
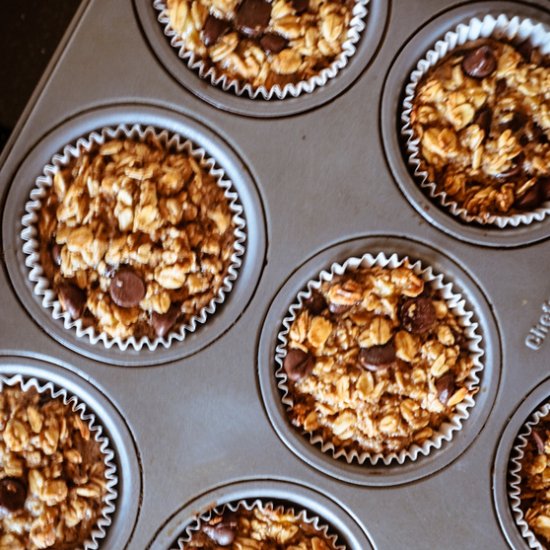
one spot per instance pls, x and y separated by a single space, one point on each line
30 30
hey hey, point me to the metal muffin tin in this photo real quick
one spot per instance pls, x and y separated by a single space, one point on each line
324 177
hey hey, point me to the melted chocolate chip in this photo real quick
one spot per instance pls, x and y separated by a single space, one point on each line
544 183
517 122
500 86
483 119
273 43
213 29
377 358
56 254
445 387
163 322
252 17
298 364
13 494
479 63
338 309
525 48
127 288
72 298
536 437
221 534
515 169
418 315
300 6
315 303
532 199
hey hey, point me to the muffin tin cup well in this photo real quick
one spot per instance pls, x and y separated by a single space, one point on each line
498 27
42 287
396 470
394 95
121 503
456 304
369 30
209 73
315 508
243 274
507 466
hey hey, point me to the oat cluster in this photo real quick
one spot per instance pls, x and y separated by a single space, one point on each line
260 42
264 528
135 238
535 481
376 361
483 119
52 473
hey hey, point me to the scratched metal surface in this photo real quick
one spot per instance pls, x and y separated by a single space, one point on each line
201 424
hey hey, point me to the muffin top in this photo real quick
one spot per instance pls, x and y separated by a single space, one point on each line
535 481
260 42
482 115
376 361
135 238
262 528
52 473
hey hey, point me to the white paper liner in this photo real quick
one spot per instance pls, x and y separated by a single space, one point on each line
78 407
514 484
29 234
500 27
196 62
249 505
455 302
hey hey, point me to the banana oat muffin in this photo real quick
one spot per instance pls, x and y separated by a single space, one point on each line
135 238
52 473
535 481
375 361
262 42
261 528
482 115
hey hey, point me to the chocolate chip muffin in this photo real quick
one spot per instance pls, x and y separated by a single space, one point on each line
135 237
52 473
535 481
261 528
261 42
376 361
482 118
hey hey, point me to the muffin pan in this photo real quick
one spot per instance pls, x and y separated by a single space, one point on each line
322 180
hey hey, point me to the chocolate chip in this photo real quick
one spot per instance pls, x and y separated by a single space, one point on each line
56 254
221 534
298 364
483 119
479 63
300 6
418 315
500 86
515 169
377 358
338 309
12 494
517 122
273 43
163 322
127 288
538 441
315 303
530 200
252 17
544 183
445 387
525 48
72 298
213 29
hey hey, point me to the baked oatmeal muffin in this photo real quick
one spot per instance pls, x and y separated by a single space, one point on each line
535 481
482 115
261 42
52 473
135 237
376 361
260 528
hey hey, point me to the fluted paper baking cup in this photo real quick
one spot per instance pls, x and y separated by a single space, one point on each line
99 530
514 481
29 235
498 27
239 88
455 303
303 515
